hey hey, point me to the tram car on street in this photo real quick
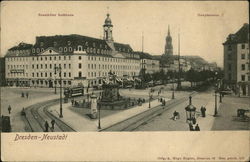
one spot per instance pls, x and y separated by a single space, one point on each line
74 91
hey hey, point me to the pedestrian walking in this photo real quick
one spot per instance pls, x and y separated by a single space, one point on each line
191 128
203 111
46 125
9 109
197 128
27 94
22 94
53 124
175 115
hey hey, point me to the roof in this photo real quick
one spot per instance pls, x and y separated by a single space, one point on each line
241 36
143 55
122 47
73 40
22 46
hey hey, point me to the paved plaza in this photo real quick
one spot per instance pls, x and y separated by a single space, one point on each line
78 118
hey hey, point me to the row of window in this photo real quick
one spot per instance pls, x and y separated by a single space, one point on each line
94 58
17 66
51 58
105 74
69 43
50 66
47 82
123 67
45 74
17 59
18 74
243 46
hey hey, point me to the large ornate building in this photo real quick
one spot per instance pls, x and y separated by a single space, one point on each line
82 59
237 61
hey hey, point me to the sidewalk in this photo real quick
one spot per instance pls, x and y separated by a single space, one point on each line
80 122
12 97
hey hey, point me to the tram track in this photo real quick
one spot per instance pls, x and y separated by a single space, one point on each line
37 114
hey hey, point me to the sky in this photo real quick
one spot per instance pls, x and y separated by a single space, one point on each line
199 35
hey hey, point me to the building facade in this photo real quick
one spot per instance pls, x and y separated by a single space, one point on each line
148 63
76 59
2 71
237 61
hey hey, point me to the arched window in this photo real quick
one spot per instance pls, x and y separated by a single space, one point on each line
33 50
79 48
65 49
70 49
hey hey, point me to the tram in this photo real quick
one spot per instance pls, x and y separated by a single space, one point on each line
74 91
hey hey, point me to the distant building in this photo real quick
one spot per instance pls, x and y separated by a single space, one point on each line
168 45
83 60
149 63
236 61
2 71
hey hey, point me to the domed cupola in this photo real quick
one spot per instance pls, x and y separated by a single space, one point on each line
107 29
108 21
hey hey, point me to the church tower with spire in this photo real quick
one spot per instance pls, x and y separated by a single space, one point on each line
168 46
107 29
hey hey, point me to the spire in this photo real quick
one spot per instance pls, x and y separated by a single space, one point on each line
168 30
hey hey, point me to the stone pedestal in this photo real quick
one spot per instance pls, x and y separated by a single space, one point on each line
93 110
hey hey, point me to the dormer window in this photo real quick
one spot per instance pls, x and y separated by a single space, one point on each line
94 50
100 45
90 49
50 51
98 51
42 50
37 50
55 43
60 49
69 43
79 48
93 44
65 49
119 49
41 44
70 49
86 43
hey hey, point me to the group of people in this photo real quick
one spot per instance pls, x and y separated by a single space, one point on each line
163 101
192 128
27 94
46 125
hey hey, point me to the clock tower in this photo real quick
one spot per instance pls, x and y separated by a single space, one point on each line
168 46
107 29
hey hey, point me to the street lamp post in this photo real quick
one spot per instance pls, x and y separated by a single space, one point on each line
220 97
59 69
99 113
149 96
190 112
55 78
99 117
173 89
215 104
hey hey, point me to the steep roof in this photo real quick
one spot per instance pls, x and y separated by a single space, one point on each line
22 46
241 36
143 55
